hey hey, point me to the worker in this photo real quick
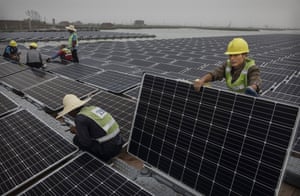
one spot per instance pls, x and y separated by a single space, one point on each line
64 53
240 72
34 57
11 51
96 131
73 42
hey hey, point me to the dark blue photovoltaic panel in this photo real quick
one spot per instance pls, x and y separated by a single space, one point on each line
9 68
215 142
52 92
86 175
76 71
113 81
28 147
6 104
27 78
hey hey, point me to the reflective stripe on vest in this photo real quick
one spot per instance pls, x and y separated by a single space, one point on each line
104 120
241 83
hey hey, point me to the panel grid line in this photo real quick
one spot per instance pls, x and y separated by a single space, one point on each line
231 136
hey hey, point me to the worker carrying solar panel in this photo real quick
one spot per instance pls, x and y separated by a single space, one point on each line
240 72
63 53
11 51
96 130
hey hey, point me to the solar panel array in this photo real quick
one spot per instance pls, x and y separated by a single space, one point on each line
86 175
184 59
6 104
215 142
28 147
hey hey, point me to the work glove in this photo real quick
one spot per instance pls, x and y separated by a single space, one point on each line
250 91
48 60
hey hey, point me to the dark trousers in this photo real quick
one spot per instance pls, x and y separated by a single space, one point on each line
104 151
75 56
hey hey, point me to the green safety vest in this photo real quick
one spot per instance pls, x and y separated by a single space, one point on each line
241 83
71 39
103 119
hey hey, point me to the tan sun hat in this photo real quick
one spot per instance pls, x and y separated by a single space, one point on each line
71 102
71 28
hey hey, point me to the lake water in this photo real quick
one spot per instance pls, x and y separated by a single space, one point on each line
188 33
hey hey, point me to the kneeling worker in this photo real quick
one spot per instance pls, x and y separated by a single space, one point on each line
64 53
96 130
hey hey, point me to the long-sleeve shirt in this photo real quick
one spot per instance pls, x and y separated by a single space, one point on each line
253 75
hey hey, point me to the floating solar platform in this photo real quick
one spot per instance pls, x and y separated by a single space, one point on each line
28 148
7 105
113 81
25 79
50 94
212 142
76 71
122 109
86 175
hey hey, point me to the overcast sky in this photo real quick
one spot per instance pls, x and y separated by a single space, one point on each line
236 13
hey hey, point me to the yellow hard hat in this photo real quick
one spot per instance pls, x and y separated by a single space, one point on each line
237 46
13 43
33 45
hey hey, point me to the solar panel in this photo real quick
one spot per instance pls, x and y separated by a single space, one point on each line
120 108
9 68
282 97
6 104
50 93
92 62
214 142
292 89
27 78
28 148
113 81
168 67
86 175
76 71
119 68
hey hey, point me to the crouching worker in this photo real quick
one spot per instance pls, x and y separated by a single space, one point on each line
64 53
11 51
34 57
96 131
